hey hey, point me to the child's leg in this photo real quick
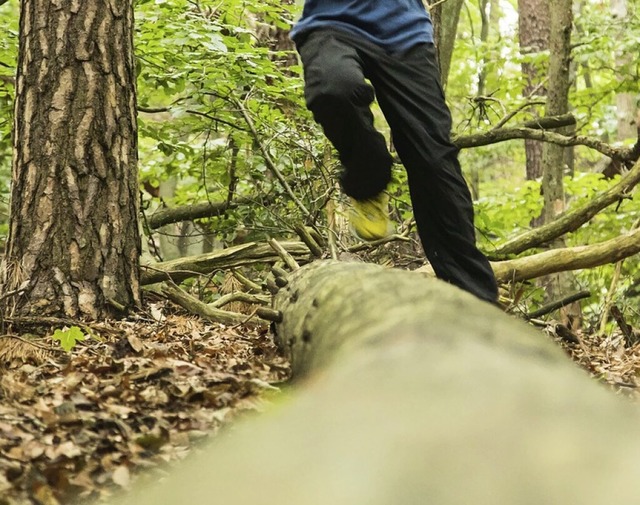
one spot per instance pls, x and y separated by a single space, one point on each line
340 99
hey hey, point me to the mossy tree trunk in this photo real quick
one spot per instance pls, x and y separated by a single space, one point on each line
74 244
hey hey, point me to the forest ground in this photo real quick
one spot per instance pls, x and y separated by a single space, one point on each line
141 393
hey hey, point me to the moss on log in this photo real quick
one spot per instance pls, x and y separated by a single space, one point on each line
418 394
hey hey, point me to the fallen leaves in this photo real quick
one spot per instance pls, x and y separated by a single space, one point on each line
608 359
80 425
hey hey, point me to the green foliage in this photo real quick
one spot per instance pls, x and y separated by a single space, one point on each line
69 337
8 55
208 67
204 67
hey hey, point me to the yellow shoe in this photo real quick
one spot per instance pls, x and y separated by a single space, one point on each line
370 218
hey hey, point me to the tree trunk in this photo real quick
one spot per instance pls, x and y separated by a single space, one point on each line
74 245
557 103
445 16
533 27
419 394
625 101
553 156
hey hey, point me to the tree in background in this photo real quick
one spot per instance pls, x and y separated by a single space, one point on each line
445 16
533 30
74 246
626 100
223 121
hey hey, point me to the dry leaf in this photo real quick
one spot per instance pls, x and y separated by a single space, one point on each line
136 344
121 476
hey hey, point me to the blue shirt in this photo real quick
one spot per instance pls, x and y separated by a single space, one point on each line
393 24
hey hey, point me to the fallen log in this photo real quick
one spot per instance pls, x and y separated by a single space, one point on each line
416 393
242 255
568 258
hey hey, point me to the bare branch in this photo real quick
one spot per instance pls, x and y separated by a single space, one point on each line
188 213
571 220
192 304
245 254
571 258
503 134
269 161
200 211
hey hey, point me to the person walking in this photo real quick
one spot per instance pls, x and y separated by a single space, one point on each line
354 51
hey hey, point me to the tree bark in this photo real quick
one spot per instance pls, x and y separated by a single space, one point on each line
74 246
533 28
626 102
568 259
445 17
557 103
410 403
554 157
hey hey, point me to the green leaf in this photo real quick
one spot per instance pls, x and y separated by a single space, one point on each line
69 337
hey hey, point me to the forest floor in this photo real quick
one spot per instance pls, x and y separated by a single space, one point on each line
78 425
140 394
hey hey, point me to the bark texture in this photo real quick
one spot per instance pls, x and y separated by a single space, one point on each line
557 103
556 160
421 394
533 28
568 259
445 17
73 242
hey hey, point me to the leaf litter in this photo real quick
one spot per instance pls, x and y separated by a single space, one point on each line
137 394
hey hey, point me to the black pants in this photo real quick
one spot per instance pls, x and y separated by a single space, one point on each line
408 90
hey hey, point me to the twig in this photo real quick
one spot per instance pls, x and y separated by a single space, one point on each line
515 112
558 304
282 252
333 232
269 162
34 344
630 338
7 78
247 319
307 238
216 119
192 304
11 293
608 302
248 283
375 243
153 110
239 296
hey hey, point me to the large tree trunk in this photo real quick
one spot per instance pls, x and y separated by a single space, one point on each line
419 394
73 243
